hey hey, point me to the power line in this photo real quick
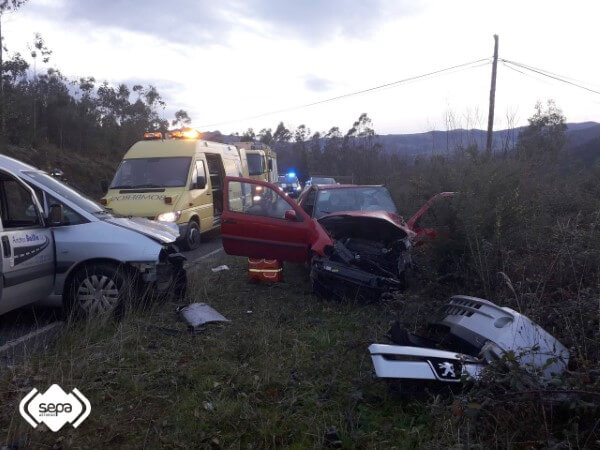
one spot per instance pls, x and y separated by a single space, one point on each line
528 74
549 75
575 80
351 94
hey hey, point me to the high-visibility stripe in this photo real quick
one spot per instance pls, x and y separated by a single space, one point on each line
265 270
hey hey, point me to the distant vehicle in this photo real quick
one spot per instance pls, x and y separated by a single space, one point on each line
262 161
59 244
290 184
319 180
176 178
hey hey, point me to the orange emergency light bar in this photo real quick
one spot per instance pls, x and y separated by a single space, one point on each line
153 135
186 133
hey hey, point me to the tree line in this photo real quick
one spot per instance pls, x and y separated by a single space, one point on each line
359 155
41 106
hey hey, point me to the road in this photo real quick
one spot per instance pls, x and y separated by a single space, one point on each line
25 320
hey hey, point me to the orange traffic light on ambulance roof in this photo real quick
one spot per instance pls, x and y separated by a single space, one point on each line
184 133
152 135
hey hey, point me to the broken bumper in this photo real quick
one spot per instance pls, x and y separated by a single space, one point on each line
171 275
416 363
485 330
338 277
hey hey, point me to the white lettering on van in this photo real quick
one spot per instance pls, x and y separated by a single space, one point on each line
125 197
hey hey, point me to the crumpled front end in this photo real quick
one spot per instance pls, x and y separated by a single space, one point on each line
370 255
171 275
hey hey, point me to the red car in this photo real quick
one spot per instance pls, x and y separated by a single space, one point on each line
351 235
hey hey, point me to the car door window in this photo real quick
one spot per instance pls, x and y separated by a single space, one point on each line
70 216
309 203
200 169
18 209
257 200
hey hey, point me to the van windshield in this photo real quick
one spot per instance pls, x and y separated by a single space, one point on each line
152 173
255 164
56 187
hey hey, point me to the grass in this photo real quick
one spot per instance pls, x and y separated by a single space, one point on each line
290 370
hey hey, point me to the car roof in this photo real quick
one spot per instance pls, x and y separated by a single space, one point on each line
14 165
323 187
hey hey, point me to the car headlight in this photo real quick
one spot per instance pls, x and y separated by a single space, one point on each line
283 185
171 216
298 188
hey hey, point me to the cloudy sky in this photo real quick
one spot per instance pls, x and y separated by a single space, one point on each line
228 61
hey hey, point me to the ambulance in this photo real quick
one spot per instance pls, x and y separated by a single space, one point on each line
262 161
175 177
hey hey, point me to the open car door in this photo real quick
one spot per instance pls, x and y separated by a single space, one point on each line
260 221
430 227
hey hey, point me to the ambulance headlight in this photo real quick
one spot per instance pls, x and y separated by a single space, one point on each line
171 216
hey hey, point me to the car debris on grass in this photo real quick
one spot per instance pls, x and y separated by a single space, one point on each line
198 314
476 333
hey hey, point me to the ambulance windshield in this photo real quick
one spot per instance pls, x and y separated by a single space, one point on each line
152 173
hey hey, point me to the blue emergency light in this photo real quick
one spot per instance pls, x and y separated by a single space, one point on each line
291 174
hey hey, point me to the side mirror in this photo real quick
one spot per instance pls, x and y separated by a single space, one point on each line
270 165
200 182
56 216
104 186
290 214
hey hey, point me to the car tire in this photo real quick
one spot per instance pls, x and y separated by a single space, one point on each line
100 289
192 238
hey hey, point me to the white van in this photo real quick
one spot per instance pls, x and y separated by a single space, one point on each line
58 244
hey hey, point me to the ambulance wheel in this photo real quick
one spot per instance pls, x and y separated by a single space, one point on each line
191 240
99 289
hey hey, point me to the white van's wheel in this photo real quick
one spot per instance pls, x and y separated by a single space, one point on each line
192 236
99 289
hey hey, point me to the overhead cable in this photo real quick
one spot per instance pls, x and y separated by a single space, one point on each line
468 65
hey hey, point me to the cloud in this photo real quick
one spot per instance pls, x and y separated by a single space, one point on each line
202 22
187 22
315 83
318 20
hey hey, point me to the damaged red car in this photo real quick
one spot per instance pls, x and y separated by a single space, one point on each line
351 236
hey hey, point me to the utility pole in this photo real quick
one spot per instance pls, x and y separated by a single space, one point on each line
490 129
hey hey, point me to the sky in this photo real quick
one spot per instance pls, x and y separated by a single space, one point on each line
229 63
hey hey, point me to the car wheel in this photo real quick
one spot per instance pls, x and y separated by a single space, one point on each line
99 289
191 239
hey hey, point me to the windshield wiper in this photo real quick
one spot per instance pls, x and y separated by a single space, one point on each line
149 185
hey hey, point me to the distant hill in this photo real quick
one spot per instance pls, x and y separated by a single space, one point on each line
581 136
439 142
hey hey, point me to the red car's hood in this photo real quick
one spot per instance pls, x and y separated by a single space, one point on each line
382 225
